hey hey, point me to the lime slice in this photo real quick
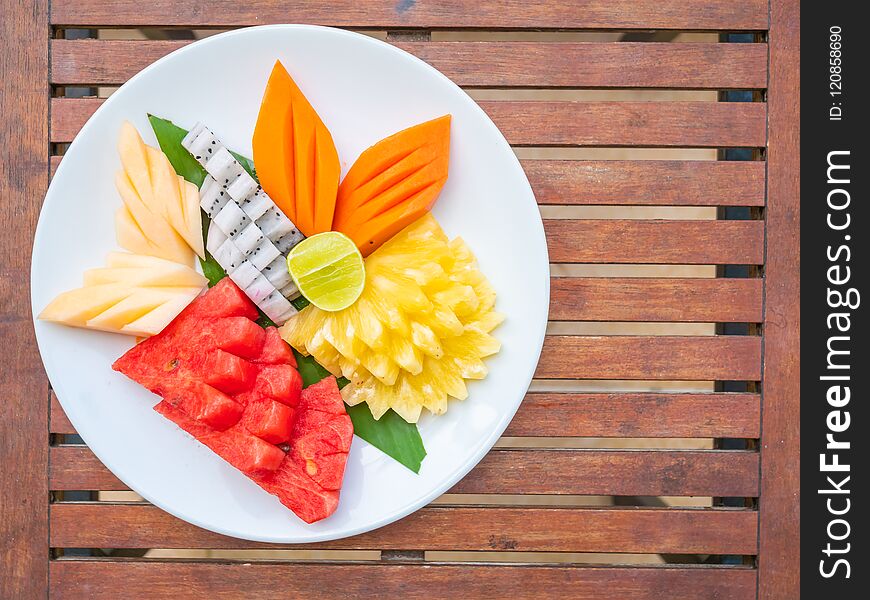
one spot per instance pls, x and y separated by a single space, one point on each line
328 270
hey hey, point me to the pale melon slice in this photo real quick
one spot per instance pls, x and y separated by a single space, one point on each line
134 157
138 304
77 307
153 322
165 189
127 259
172 276
192 216
164 240
129 235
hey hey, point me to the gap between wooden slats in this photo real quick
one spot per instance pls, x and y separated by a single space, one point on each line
642 415
226 581
494 14
483 64
569 123
672 531
585 472
649 182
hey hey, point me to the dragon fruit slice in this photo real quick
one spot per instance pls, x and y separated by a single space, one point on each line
277 307
290 291
214 239
257 204
212 197
263 254
229 256
244 275
231 220
259 289
249 239
277 273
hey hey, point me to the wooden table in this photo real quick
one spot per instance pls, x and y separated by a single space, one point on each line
743 546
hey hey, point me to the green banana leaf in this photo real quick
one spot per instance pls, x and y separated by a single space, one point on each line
391 433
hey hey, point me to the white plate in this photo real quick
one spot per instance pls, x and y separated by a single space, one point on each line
363 90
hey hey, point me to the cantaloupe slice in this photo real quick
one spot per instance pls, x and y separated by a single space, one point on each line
77 307
153 322
295 156
393 183
163 240
138 304
176 276
128 259
156 198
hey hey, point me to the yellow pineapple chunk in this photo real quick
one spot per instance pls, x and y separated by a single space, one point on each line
420 328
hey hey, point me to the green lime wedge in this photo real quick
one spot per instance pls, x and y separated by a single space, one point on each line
328 269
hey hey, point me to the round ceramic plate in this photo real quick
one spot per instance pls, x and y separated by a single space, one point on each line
364 90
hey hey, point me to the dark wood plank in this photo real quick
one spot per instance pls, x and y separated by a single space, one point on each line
672 531
496 14
625 182
483 64
655 242
640 299
609 415
433 581
595 472
545 123
23 386
779 564
653 182
702 358
644 415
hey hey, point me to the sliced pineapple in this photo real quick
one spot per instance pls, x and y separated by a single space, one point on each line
420 328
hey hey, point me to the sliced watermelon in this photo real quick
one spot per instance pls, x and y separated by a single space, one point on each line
234 387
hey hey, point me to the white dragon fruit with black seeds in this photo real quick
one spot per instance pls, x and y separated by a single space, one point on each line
249 239
244 275
263 254
256 204
214 239
277 307
277 273
229 256
231 219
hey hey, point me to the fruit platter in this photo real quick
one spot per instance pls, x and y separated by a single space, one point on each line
290 283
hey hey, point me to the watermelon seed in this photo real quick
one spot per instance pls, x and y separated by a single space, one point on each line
172 364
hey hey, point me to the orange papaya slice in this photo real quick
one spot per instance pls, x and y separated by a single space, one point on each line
393 183
295 156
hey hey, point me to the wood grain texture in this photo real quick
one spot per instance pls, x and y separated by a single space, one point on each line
595 472
432 581
655 241
568 123
703 358
609 415
672 531
625 182
23 386
495 14
662 299
483 64
652 182
779 565
643 415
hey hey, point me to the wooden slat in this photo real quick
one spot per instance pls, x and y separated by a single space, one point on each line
546 123
609 415
703 358
496 14
24 104
655 242
643 415
595 472
59 422
639 299
650 182
483 64
626 182
73 578
672 531
779 567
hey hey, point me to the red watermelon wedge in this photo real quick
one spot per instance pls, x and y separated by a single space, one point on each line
234 387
